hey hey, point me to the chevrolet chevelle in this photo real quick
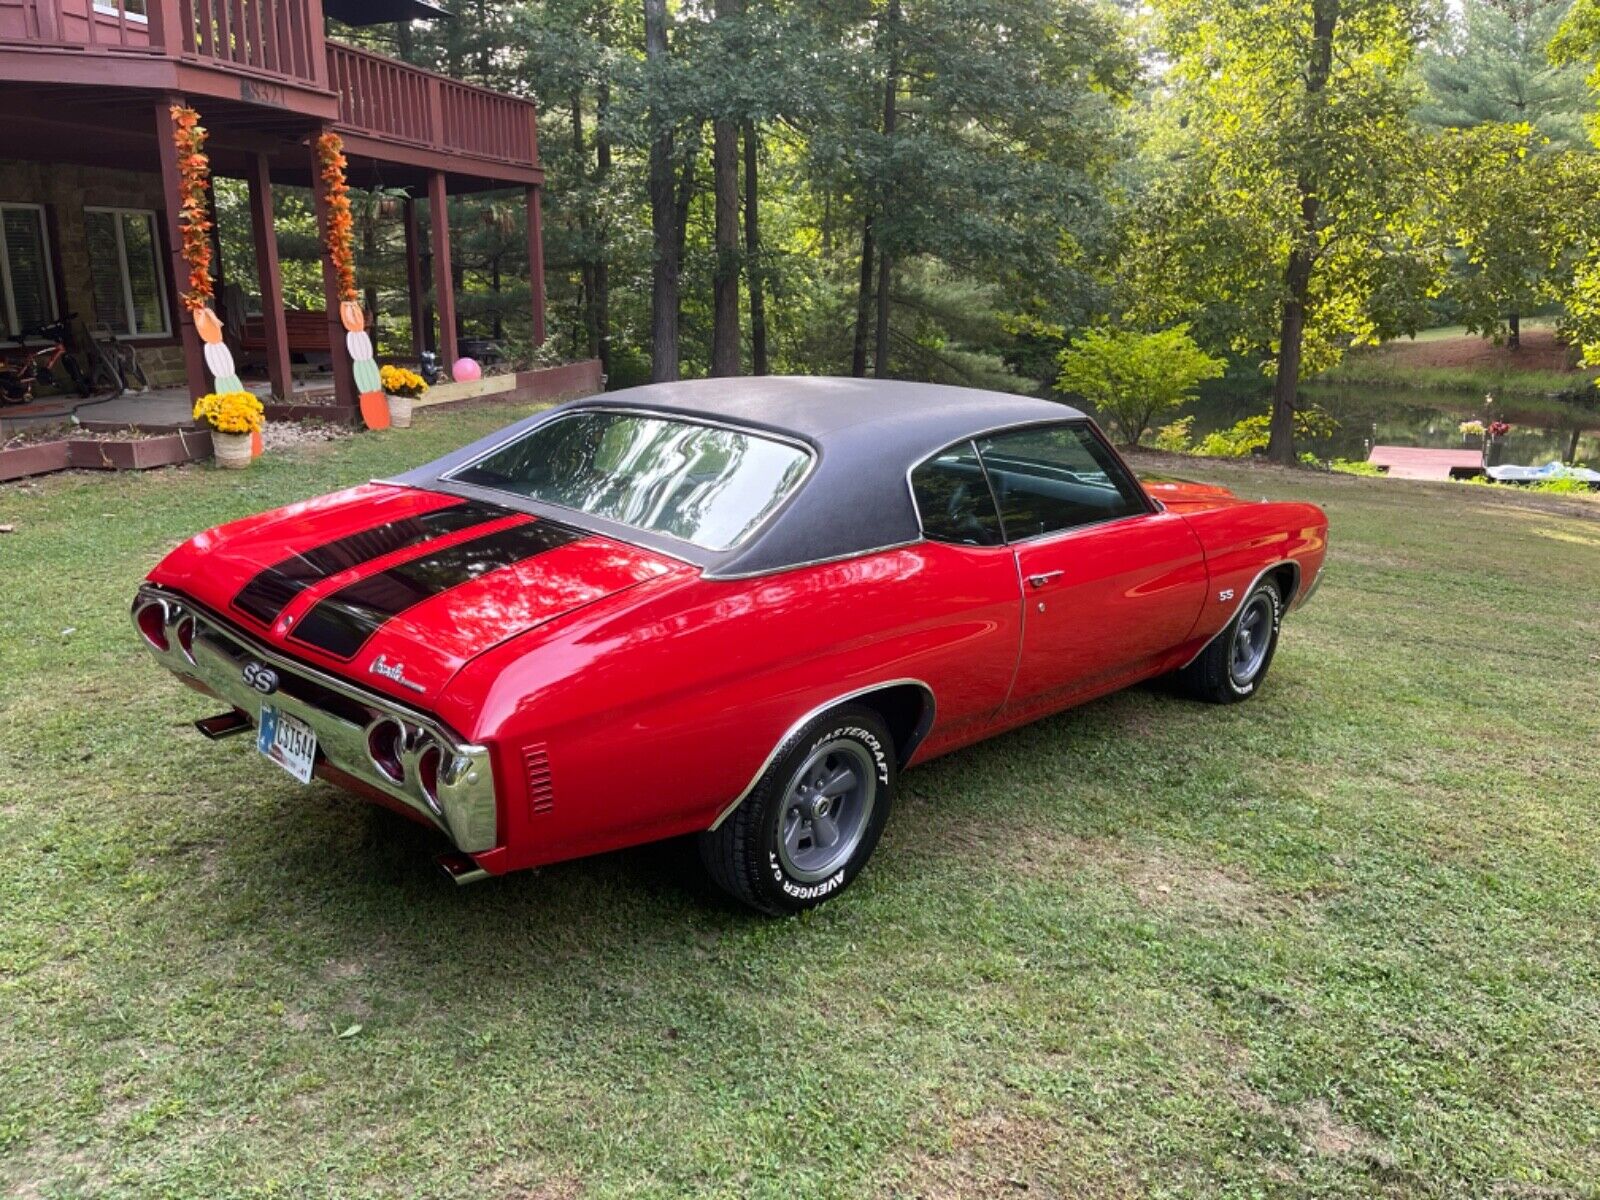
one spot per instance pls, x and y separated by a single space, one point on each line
734 608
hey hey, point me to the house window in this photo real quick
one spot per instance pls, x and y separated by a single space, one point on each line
134 10
26 293
130 296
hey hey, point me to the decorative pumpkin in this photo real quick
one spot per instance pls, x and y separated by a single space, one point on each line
350 313
210 328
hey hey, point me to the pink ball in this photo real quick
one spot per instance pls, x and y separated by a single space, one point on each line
466 370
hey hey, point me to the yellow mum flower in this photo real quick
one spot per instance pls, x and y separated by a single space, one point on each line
231 412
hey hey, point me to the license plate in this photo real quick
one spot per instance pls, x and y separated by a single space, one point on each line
287 741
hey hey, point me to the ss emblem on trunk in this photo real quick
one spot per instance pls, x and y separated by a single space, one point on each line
263 679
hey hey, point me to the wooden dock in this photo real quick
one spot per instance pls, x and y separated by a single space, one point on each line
1415 462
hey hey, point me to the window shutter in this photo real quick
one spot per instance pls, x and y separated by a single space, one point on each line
29 266
144 279
105 271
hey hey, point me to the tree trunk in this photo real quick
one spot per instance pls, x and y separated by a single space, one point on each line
891 86
663 209
686 184
591 335
1514 338
1291 338
1302 256
858 352
600 297
752 256
725 272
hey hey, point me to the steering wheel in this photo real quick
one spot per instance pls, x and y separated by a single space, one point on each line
962 509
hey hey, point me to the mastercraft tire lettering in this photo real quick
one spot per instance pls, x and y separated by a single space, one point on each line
811 822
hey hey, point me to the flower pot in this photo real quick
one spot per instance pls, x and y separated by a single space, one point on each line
233 450
1472 441
399 410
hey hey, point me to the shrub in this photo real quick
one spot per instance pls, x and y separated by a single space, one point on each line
1174 437
1253 433
1131 377
1562 487
1351 466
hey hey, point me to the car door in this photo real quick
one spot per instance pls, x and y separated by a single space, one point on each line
970 566
1111 584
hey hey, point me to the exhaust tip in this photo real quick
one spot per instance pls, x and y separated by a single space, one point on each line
461 869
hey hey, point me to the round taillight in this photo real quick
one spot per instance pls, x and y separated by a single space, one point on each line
152 621
186 637
428 776
383 744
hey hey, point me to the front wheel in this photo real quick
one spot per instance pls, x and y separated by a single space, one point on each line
1234 664
813 818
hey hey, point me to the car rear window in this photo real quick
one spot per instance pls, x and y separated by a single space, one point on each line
707 485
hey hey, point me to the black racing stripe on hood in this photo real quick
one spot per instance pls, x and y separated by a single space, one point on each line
340 624
271 590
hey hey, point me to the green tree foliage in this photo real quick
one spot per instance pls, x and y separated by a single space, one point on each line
1490 65
1131 378
1578 41
1506 202
1290 197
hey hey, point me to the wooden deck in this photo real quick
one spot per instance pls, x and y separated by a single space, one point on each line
1415 462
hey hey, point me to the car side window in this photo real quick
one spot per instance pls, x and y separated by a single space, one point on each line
1054 477
954 500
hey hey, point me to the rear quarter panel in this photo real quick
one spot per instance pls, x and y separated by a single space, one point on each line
654 712
1242 540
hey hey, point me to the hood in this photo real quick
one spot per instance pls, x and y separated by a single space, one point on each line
398 588
1185 495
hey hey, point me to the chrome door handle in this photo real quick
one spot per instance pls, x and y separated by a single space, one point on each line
1040 581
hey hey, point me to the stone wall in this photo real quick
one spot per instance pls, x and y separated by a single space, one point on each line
64 190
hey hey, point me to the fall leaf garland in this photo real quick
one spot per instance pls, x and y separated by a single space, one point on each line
194 178
341 240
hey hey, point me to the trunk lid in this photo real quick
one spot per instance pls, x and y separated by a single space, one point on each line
1186 495
398 588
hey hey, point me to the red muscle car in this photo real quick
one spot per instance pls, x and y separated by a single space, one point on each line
736 608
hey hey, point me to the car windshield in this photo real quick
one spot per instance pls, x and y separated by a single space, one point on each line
706 485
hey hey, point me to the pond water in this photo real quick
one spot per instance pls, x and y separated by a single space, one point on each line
1541 430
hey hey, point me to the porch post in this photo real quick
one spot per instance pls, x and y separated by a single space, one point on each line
536 264
444 294
419 316
194 361
344 379
272 320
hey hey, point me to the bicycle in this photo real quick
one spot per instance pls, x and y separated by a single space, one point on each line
18 375
115 362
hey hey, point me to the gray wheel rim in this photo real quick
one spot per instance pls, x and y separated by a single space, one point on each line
1251 638
826 808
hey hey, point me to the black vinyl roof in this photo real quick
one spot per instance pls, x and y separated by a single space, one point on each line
866 435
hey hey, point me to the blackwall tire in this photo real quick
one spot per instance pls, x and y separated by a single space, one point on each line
1231 668
812 820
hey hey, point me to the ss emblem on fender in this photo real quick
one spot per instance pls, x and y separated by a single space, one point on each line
263 679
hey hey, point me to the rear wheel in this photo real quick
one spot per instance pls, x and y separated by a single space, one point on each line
1234 664
813 819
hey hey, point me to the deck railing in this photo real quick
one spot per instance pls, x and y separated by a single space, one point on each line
282 41
400 102
91 24
277 38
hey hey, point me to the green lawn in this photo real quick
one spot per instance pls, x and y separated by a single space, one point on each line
1342 940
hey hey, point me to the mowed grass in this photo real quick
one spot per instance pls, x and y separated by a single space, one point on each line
1338 941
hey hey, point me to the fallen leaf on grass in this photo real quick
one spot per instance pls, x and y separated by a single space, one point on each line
350 1032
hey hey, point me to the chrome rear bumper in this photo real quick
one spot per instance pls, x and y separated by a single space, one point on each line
438 775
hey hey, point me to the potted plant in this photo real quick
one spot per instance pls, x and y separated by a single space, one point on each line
401 387
233 418
1494 443
1472 434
